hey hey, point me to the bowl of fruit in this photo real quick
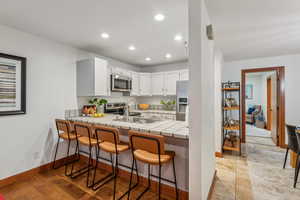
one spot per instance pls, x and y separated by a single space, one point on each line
97 115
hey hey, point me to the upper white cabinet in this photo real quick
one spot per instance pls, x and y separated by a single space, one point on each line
157 80
135 91
170 82
121 71
184 75
145 84
93 77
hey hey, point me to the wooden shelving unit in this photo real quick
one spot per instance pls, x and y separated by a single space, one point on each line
231 133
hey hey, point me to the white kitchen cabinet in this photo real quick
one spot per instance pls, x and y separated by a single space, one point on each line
135 91
145 84
184 75
121 71
157 80
93 77
170 82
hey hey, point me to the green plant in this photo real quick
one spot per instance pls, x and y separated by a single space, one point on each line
97 102
169 104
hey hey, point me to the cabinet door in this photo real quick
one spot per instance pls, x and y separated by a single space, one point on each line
145 84
170 82
101 77
157 82
135 91
184 75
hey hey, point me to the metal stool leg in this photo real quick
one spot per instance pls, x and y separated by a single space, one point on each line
57 144
159 182
149 184
175 180
286 155
134 163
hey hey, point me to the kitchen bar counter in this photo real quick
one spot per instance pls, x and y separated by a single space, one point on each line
170 128
176 140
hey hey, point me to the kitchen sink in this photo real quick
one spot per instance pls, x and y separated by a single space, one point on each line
138 120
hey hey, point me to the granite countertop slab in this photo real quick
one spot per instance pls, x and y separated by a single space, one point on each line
170 128
171 112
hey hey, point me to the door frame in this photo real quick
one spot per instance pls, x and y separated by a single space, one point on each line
280 71
269 104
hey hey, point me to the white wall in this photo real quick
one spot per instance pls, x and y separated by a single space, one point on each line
27 141
232 72
218 65
202 108
258 92
166 67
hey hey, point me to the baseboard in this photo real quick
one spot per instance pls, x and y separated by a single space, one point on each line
211 189
219 154
29 173
165 189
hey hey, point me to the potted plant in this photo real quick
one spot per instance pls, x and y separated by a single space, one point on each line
99 103
168 105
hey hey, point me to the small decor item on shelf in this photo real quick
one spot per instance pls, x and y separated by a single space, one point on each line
230 102
99 103
168 105
144 106
233 85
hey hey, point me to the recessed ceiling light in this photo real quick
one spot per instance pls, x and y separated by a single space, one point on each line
178 37
131 48
159 17
105 35
168 55
147 59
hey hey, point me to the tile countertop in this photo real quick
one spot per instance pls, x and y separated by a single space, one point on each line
171 128
171 112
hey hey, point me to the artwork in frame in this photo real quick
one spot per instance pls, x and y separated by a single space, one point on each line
249 91
12 85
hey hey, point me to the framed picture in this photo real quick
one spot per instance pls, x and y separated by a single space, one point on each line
249 91
12 85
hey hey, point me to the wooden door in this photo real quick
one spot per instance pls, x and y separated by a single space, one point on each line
269 103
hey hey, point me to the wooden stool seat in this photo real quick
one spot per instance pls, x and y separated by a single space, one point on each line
65 136
152 158
111 148
86 141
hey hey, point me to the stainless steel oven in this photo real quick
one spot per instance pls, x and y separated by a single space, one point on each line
120 83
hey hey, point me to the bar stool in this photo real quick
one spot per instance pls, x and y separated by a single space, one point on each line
85 139
65 132
292 142
108 140
150 149
297 160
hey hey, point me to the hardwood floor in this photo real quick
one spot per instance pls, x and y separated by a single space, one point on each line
54 185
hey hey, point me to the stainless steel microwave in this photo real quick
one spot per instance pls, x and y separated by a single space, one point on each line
120 83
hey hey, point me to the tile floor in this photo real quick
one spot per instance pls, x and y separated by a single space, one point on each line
257 175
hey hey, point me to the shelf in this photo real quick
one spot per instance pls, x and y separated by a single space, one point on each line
232 128
231 108
231 89
235 146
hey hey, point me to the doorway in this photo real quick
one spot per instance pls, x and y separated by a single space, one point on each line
269 116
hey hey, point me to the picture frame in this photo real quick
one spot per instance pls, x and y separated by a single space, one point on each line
12 85
249 91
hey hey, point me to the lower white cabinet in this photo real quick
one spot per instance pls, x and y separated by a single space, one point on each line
145 84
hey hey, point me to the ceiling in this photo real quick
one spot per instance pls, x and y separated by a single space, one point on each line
80 23
256 28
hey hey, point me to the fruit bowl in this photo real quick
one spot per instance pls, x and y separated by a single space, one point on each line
144 106
97 115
